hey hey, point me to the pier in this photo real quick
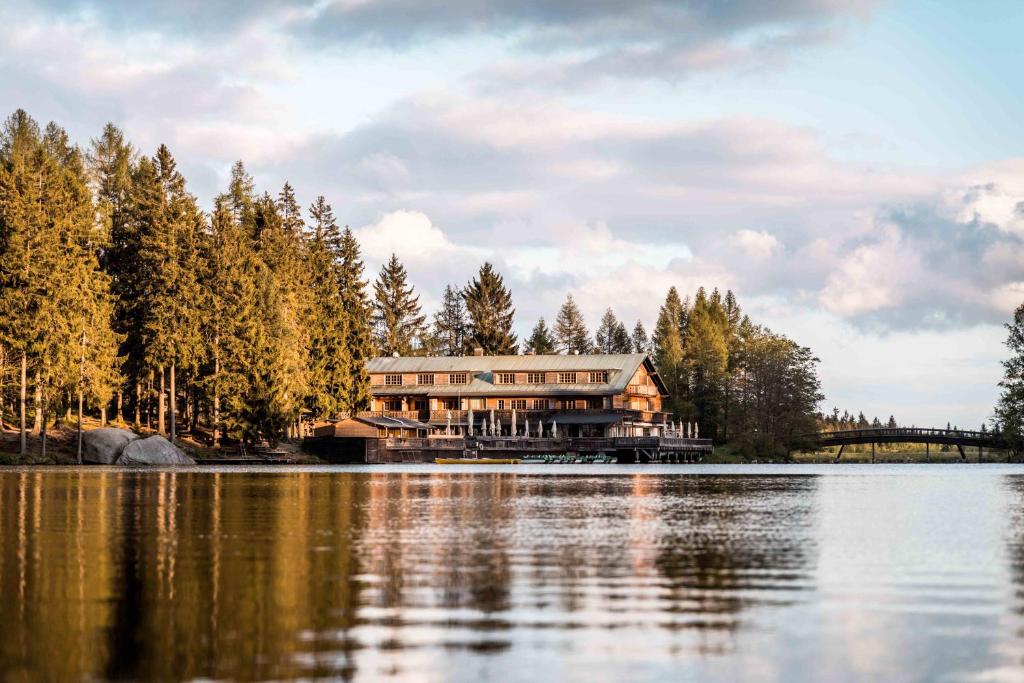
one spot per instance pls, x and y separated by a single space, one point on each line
621 449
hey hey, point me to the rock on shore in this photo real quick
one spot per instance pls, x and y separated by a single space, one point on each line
104 446
155 450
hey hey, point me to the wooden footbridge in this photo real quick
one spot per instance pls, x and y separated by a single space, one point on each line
922 435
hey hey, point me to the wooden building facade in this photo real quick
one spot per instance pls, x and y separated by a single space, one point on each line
571 395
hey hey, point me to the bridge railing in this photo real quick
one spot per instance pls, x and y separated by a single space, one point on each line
907 432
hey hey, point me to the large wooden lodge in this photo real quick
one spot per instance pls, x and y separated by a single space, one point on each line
426 407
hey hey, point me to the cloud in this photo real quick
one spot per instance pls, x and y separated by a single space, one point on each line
757 244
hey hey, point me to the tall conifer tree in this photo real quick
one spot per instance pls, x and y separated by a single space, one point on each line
571 333
490 311
398 321
450 323
541 342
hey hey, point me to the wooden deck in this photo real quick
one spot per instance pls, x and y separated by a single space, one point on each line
628 449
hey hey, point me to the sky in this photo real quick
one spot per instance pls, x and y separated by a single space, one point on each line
852 170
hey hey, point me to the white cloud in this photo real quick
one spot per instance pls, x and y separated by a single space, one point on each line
757 244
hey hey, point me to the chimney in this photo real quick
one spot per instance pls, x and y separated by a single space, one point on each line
478 351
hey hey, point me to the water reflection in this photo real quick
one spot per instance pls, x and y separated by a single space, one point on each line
256 575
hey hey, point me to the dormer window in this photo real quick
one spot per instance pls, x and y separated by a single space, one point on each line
567 378
392 380
599 377
535 377
424 379
458 378
505 378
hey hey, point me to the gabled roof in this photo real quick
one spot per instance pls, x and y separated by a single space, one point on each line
621 368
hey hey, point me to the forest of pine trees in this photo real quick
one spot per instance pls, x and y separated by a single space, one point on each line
121 298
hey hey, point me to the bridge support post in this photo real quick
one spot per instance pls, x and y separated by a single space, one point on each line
980 452
872 452
840 453
963 456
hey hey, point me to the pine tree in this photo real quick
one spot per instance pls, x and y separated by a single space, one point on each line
450 324
490 311
540 342
397 318
571 333
358 311
640 342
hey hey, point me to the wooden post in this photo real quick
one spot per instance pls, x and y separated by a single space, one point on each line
926 451
872 452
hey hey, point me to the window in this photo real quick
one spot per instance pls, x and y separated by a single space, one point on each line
424 379
392 380
501 404
449 404
535 377
393 404
505 378
567 378
595 403
457 378
600 377
541 404
518 404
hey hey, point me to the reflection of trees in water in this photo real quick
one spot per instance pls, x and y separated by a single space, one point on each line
1015 546
731 543
137 575
145 575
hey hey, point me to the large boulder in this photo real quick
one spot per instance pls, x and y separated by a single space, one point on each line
155 450
104 446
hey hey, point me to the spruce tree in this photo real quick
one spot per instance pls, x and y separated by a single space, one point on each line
490 311
571 333
668 351
328 332
604 338
358 312
450 324
397 318
540 342
23 275
111 163
640 341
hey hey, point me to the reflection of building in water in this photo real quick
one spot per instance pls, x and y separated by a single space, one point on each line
730 544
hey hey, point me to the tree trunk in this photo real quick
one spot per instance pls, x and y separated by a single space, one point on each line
42 433
37 405
161 419
103 415
149 401
174 404
24 384
216 394
79 426
120 405
138 404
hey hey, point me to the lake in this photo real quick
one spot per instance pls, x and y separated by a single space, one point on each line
519 573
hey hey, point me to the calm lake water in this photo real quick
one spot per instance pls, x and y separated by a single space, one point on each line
528 573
